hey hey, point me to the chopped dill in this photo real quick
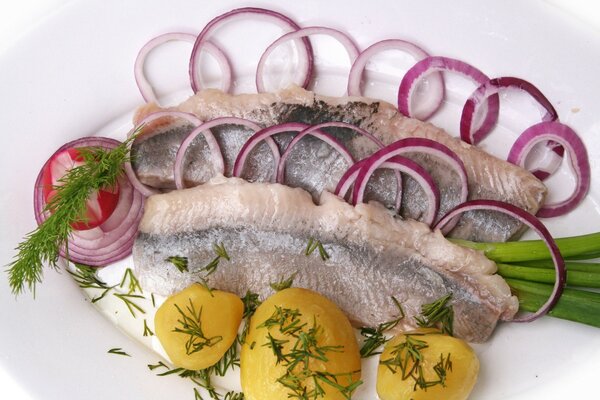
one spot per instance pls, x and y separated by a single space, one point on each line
407 359
129 300
283 283
147 330
296 345
118 351
134 284
181 263
251 302
375 337
438 314
314 244
191 325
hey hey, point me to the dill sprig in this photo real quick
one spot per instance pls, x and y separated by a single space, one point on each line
181 263
407 359
147 330
202 377
118 351
314 244
101 168
191 325
85 276
283 283
438 314
251 302
375 337
134 283
296 345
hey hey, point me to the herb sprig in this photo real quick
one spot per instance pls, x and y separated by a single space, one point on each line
375 337
101 168
296 345
407 359
190 324
438 314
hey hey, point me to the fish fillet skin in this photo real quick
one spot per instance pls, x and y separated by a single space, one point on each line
265 229
316 167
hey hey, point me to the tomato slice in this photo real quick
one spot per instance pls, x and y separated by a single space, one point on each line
99 205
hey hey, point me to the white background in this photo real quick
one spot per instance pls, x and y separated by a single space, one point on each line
18 17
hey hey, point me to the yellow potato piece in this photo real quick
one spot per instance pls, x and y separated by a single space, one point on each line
260 368
459 381
196 327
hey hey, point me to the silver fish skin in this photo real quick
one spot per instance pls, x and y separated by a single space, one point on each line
265 229
316 167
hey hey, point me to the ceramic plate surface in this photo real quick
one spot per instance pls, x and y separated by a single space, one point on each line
73 76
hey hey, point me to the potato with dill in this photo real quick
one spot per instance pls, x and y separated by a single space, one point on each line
197 326
426 365
299 344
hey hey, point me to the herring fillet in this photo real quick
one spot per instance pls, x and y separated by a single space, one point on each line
265 228
315 167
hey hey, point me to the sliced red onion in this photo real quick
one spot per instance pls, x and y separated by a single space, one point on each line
407 145
258 137
315 130
304 46
178 167
213 145
565 136
427 65
344 39
112 240
399 164
551 154
434 91
140 77
537 226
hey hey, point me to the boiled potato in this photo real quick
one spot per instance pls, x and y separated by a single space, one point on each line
459 379
196 326
300 319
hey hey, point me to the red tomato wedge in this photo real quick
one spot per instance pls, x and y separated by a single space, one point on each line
100 204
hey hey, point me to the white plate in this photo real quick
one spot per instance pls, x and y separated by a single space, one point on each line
73 75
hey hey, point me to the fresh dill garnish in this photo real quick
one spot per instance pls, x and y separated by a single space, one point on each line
251 302
233 395
283 283
408 359
134 284
438 314
101 168
153 300
295 345
375 337
202 377
191 325
147 330
85 276
129 300
211 267
118 351
181 263
314 244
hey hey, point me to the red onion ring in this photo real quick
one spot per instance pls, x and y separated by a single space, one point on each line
306 56
315 130
400 164
144 85
403 146
537 226
435 90
178 167
112 240
213 145
259 136
553 152
429 64
341 37
560 133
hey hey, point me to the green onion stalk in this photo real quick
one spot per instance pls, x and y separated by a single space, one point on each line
528 269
